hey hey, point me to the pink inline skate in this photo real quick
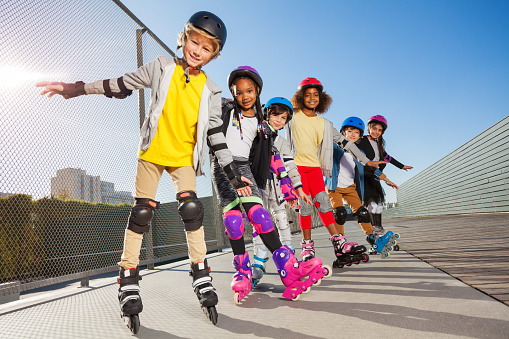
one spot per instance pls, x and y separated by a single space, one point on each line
298 276
241 282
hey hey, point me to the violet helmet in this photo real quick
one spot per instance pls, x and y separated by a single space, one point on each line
310 82
246 71
379 119
281 101
210 23
353 122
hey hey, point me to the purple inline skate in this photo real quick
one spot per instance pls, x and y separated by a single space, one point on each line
298 276
241 282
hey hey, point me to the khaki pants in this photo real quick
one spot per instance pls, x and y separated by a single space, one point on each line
350 196
147 179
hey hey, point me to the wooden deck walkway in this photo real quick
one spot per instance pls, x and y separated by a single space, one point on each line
473 248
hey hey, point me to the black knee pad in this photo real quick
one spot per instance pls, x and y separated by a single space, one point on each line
190 210
141 215
340 214
363 215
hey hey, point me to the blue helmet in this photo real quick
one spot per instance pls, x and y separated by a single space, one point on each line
353 122
278 100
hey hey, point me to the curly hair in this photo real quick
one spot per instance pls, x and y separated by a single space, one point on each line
323 105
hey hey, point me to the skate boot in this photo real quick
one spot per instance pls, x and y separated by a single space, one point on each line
129 297
308 250
241 282
261 256
384 244
347 252
378 231
202 285
298 276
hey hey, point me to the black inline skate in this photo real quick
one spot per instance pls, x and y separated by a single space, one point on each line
202 285
347 253
129 297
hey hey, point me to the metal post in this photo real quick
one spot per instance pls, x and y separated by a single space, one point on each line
141 107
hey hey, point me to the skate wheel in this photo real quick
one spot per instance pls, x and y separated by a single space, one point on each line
357 262
236 297
306 291
386 255
365 257
375 246
327 271
349 263
296 298
318 282
212 313
396 248
134 323
397 235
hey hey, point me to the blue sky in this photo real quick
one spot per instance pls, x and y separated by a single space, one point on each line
437 70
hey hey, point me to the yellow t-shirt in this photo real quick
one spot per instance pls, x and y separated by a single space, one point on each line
173 144
307 135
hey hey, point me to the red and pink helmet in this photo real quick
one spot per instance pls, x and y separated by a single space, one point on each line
310 82
379 119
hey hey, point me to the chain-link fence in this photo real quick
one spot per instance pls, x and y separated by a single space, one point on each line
68 166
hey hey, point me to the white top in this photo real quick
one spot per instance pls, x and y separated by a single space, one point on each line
346 171
241 148
375 148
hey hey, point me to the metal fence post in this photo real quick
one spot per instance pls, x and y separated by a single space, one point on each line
141 107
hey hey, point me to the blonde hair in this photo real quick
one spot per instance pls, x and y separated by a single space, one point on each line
188 28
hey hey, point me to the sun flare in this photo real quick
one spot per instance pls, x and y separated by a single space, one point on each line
12 76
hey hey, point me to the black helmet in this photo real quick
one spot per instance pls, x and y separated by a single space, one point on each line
210 23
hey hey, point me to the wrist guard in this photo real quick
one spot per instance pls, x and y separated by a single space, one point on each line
277 167
233 174
71 90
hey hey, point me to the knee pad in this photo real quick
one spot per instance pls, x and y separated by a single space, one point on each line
322 202
340 215
363 215
234 224
141 215
260 219
305 210
190 210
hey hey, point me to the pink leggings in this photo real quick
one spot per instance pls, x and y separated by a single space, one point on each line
312 184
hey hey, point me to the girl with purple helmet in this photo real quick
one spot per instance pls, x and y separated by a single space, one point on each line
246 134
373 145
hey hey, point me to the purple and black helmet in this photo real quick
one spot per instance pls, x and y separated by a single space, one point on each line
247 71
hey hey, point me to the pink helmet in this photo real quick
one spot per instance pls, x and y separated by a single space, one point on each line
379 119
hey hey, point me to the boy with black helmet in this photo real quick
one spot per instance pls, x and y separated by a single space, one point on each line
173 138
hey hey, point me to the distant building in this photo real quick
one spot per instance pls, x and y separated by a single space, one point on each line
5 195
73 183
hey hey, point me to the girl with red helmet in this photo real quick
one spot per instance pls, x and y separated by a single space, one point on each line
246 132
312 137
373 145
